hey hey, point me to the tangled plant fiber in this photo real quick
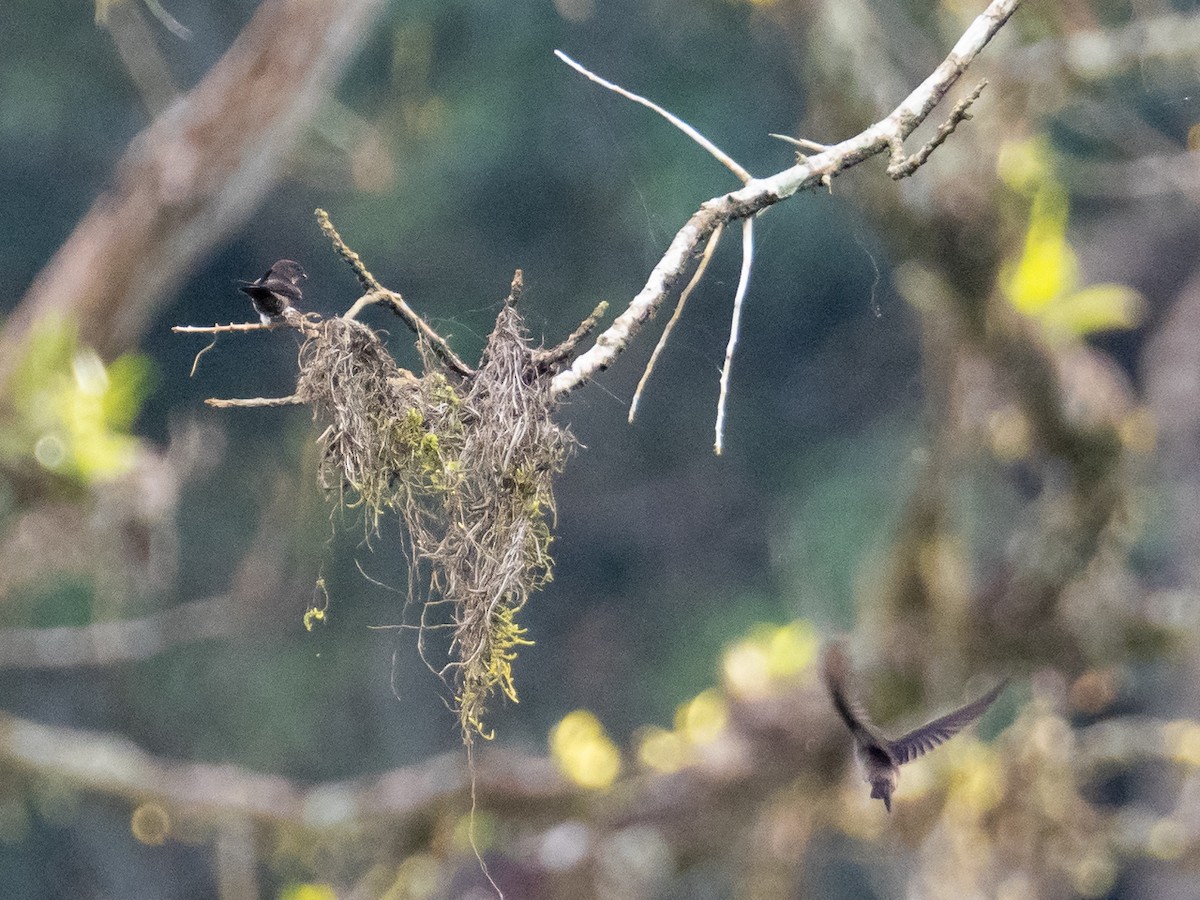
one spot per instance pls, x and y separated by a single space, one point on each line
468 466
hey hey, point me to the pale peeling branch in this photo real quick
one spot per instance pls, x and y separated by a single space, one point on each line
734 325
760 193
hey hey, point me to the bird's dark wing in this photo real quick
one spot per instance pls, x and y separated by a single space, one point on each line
277 290
925 738
286 289
836 672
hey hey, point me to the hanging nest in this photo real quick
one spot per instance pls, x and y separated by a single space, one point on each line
468 464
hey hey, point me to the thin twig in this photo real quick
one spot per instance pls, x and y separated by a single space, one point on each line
902 165
544 359
377 293
254 402
803 143
734 325
368 281
196 361
662 341
720 155
232 327
120 641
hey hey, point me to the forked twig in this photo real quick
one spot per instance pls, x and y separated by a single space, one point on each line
902 165
299 322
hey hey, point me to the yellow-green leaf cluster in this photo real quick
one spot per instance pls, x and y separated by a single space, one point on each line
1043 282
69 412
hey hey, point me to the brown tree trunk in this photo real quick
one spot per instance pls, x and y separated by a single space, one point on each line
193 176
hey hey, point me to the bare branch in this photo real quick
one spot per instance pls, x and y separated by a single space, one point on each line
735 323
232 327
254 402
368 281
761 193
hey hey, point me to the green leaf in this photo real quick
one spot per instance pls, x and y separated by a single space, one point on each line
1101 307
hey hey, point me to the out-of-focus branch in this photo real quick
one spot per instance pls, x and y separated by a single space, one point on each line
123 640
1096 55
1150 175
118 767
768 743
250 601
135 42
761 193
192 176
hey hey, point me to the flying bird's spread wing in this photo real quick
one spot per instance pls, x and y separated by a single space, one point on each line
837 674
925 738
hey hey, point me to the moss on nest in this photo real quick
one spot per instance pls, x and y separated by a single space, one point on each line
468 466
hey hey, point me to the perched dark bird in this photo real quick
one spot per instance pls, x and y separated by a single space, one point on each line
879 757
277 291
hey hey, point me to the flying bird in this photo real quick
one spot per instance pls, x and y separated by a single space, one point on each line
880 758
277 291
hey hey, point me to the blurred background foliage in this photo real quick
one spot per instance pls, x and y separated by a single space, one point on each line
962 430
